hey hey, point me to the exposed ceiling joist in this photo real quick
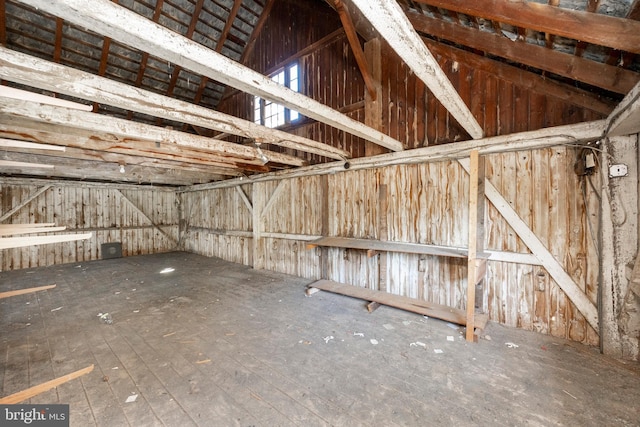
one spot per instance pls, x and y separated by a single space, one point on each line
605 76
392 24
28 70
118 23
127 129
596 28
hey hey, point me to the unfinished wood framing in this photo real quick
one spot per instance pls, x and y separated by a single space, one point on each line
120 24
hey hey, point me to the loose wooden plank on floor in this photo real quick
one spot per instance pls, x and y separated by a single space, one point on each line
421 307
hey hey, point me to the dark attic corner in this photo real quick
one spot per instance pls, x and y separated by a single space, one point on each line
340 212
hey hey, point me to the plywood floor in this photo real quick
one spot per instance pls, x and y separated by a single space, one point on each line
219 344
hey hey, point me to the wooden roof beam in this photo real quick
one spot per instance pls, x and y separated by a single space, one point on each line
125 128
358 53
605 76
590 27
111 20
392 24
32 71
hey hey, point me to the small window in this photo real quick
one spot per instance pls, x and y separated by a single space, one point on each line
273 115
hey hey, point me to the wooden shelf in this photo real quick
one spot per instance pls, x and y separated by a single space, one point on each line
386 246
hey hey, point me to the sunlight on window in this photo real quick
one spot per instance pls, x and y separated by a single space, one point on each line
271 114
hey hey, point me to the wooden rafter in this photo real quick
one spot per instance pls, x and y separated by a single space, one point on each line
126 26
605 76
549 38
57 49
358 53
46 75
593 28
393 25
616 57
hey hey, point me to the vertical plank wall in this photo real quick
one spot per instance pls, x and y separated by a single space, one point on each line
426 203
99 209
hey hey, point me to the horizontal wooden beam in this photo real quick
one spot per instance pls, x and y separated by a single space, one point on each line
420 248
41 388
14 143
20 242
24 165
227 151
24 95
25 69
111 20
597 74
604 30
625 118
17 292
390 21
547 137
12 231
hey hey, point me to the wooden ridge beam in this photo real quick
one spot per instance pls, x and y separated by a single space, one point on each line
595 28
128 27
393 25
32 71
600 75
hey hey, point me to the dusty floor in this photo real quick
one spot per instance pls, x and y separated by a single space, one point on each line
219 344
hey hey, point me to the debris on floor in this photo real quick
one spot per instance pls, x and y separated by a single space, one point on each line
374 341
106 318
131 398
358 334
406 322
56 309
327 339
511 345
450 338
418 344
437 351
388 326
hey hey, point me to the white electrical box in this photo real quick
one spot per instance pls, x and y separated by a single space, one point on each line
616 171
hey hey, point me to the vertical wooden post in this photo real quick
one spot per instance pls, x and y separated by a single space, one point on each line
476 235
324 230
383 234
258 205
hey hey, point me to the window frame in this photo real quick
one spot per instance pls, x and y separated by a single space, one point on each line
262 107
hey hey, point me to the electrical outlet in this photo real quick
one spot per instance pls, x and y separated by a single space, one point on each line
619 170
